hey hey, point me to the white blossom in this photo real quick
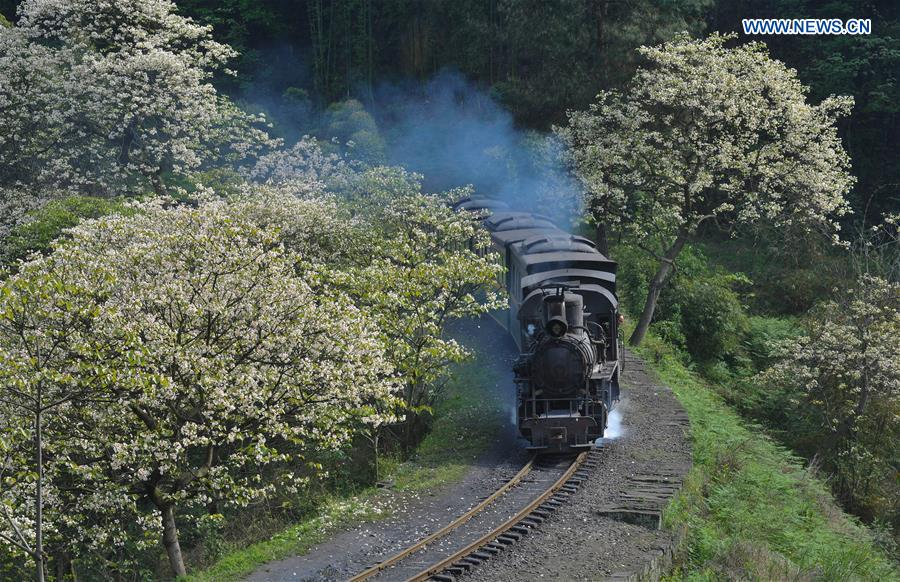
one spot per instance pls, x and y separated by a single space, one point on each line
211 353
102 96
707 132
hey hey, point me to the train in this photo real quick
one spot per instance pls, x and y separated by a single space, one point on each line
563 316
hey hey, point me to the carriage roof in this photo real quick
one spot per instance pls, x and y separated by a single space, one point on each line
475 204
505 237
562 241
501 221
576 258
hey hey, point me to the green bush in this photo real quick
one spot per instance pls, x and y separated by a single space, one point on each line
634 272
796 290
786 281
348 121
763 333
49 222
700 309
712 318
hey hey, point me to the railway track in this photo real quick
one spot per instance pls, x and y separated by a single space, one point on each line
468 552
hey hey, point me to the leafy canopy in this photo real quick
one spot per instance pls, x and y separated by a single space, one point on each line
113 95
202 355
704 132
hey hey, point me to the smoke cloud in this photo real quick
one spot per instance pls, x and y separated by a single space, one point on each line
447 129
455 134
614 428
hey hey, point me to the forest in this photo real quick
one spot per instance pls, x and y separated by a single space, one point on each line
228 266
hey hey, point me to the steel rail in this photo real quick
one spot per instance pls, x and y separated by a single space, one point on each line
517 478
501 529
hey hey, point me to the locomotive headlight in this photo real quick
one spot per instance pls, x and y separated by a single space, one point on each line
557 327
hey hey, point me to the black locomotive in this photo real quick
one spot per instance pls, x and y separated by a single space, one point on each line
563 315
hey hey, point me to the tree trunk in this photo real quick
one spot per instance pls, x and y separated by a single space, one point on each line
602 239
656 286
39 497
64 568
158 187
170 541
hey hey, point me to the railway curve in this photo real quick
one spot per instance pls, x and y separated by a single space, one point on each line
607 528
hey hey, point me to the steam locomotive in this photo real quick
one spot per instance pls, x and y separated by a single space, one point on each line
563 316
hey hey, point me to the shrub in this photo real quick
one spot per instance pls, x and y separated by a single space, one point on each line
700 308
712 318
348 121
763 333
49 222
848 368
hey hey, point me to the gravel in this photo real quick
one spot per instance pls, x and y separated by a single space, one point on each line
577 543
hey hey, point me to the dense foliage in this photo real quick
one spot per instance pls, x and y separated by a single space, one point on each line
204 354
543 58
37 230
208 353
113 97
702 133
846 372
166 362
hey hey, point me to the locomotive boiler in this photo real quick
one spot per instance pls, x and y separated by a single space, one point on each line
563 315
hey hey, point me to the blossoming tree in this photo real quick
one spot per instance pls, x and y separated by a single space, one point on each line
234 357
708 133
847 369
113 95
51 357
425 266
407 259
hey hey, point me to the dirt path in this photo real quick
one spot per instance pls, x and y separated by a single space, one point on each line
584 540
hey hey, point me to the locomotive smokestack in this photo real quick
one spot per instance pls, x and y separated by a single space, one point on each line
575 311
563 312
555 312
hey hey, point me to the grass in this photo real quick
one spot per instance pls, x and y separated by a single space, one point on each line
298 539
749 509
465 424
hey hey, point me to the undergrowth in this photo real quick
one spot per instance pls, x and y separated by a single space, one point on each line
749 509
